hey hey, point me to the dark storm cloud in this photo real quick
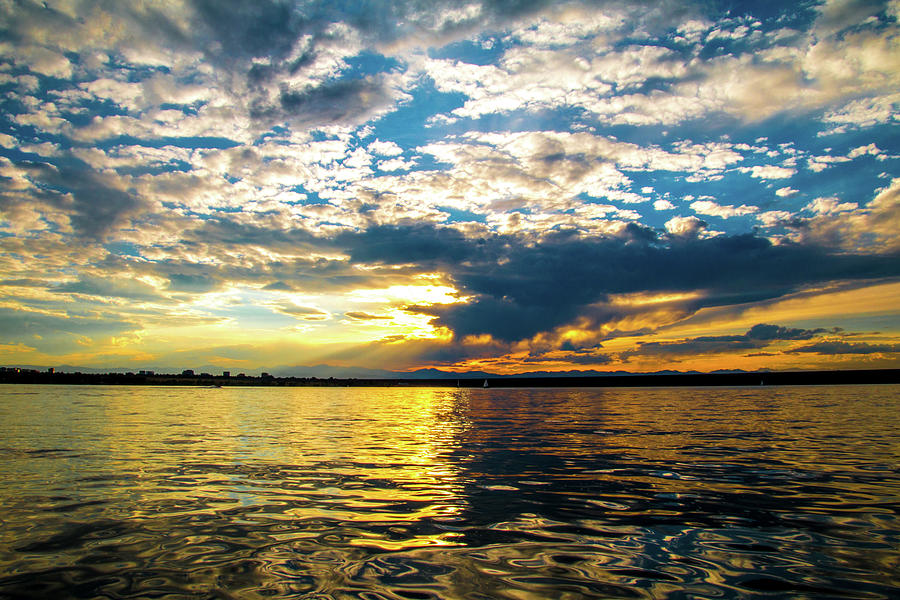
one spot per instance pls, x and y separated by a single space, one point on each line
92 202
837 347
765 332
422 244
758 336
251 29
503 318
523 286
345 100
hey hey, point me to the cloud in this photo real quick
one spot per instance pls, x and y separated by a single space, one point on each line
95 203
769 171
870 228
785 192
385 148
193 283
779 218
519 288
352 102
817 164
708 207
111 287
306 313
863 113
663 205
766 332
868 149
830 206
832 347
758 336
685 226
396 164
197 153
58 332
363 316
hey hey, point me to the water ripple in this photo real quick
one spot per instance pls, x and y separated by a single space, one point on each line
415 493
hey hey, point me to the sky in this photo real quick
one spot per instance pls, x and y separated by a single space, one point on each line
499 185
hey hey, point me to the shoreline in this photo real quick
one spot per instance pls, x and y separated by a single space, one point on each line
857 376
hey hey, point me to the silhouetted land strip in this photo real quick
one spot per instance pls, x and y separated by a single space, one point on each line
869 376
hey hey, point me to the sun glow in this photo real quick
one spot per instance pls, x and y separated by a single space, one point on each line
423 295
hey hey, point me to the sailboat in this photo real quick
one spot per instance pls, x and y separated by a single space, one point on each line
485 383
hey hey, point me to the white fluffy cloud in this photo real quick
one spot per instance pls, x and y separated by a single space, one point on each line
663 205
830 206
708 207
685 226
385 148
785 192
769 171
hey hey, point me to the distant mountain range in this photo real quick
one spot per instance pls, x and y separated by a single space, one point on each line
326 371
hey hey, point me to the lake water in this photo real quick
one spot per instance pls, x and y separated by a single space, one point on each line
408 493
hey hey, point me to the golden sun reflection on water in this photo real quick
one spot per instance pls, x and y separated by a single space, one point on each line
424 493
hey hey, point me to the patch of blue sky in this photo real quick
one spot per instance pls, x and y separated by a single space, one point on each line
190 142
274 135
428 162
808 132
311 197
407 125
671 39
644 87
317 135
886 137
799 14
192 109
735 188
135 73
725 46
87 110
45 83
9 105
853 181
123 249
335 224
231 210
457 215
16 155
369 63
673 187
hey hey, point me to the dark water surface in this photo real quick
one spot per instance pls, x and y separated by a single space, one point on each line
406 493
